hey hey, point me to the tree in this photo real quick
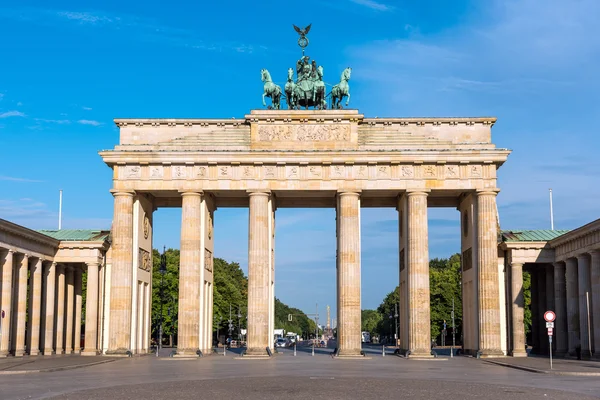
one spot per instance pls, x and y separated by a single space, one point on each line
444 286
170 293
370 320
527 301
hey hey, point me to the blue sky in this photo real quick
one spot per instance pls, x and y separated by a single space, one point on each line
67 70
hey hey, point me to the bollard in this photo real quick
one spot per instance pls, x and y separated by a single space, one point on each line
313 349
224 350
383 350
294 349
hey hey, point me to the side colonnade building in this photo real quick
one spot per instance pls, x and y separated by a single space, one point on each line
41 286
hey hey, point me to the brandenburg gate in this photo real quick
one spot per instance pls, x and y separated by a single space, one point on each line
273 159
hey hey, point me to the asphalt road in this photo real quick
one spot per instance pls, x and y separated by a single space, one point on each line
304 376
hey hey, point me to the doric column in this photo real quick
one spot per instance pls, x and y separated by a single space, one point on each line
542 332
6 299
488 280
349 333
259 254
48 329
560 301
35 305
595 274
188 340
419 326
91 311
518 308
572 304
60 310
585 293
69 312
21 307
119 342
77 329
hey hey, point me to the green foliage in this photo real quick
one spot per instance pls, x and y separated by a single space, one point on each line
527 301
444 284
230 293
170 292
370 319
300 323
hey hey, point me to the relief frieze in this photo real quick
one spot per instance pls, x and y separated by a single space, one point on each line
304 133
144 260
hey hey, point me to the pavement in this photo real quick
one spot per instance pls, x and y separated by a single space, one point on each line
32 364
303 376
560 366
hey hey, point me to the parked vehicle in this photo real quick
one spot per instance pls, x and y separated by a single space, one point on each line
281 342
366 337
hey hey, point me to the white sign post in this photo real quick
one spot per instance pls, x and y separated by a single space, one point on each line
550 316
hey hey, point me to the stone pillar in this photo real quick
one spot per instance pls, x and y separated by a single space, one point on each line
259 254
518 308
488 279
349 339
560 301
595 274
69 312
542 308
188 339
6 301
572 304
419 325
584 290
60 310
535 322
77 330
21 307
48 329
35 305
91 311
121 275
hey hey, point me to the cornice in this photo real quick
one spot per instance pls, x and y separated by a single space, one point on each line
28 234
576 234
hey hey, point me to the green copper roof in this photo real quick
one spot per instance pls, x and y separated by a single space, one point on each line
539 235
77 234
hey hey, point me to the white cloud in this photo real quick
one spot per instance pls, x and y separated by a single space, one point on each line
11 114
53 121
89 122
87 108
374 5
17 179
19 104
85 17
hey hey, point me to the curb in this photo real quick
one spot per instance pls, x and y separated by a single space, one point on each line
543 371
66 367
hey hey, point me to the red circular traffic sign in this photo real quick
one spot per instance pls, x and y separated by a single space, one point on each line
549 316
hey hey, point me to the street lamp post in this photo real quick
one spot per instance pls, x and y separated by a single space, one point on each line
219 326
162 269
391 316
239 315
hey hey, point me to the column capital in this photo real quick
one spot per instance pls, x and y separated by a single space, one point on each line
258 192
352 192
516 264
417 192
487 192
116 192
582 256
96 263
558 264
191 193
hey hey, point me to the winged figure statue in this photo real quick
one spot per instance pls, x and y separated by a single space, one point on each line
302 32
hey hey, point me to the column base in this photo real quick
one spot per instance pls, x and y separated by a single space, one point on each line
349 353
419 353
491 353
520 353
19 353
186 353
257 351
48 352
60 352
4 354
119 353
89 352
34 352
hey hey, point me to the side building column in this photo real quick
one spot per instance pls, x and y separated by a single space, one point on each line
349 340
518 308
6 286
259 282
488 279
585 292
572 305
91 311
48 328
119 337
23 269
78 306
35 305
419 312
560 308
595 274
60 310
70 309
188 332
